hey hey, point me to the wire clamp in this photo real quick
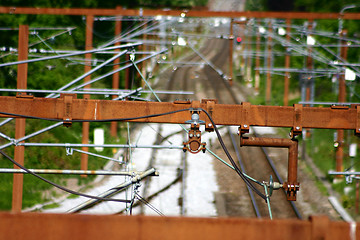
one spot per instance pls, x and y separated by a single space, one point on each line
69 150
194 144
245 117
291 189
67 114
297 121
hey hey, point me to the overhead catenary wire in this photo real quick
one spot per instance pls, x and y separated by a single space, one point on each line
236 168
98 120
59 186
148 204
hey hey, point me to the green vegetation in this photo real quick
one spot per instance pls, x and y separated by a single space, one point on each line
320 142
53 74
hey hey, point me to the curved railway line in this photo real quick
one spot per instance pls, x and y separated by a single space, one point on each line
206 82
226 95
233 199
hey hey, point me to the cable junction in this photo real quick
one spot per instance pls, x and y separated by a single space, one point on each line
111 192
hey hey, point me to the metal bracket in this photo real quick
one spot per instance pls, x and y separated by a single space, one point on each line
297 122
245 126
194 144
69 150
24 95
357 127
210 104
67 117
291 189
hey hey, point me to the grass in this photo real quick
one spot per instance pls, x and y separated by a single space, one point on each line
320 145
48 158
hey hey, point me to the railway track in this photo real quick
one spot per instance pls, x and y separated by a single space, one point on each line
224 94
207 83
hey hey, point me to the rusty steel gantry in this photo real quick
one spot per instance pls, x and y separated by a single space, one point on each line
70 108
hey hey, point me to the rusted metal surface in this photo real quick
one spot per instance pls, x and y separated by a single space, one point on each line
257 60
194 144
20 122
73 226
287 64
87 68
116 76
167 12
269 64
231 46
339 152
334 117
292 185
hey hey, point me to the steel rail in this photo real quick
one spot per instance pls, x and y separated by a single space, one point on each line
242 167
277 174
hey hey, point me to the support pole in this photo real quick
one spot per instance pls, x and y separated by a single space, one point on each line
269 60
86 125
341 99
309 67
357 196
249 55
127 73
231 45
144 48
287 64
257 61
20 122
116 76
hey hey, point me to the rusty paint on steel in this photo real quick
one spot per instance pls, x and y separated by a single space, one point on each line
269 64
292 184
257 61
116 75
20 122
231 45
80 226
223 114
341 98
189 13
87 68
287 65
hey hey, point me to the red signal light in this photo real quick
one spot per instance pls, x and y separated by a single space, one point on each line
238 40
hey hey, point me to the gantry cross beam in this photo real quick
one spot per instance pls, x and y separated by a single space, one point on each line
68 108
189 13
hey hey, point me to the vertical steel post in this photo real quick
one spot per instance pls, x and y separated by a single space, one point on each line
249 55
341 98
257 61
127 73
287 64
231 45
86 125
357 197
144 48
309 66
116 76
20 122
268 75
